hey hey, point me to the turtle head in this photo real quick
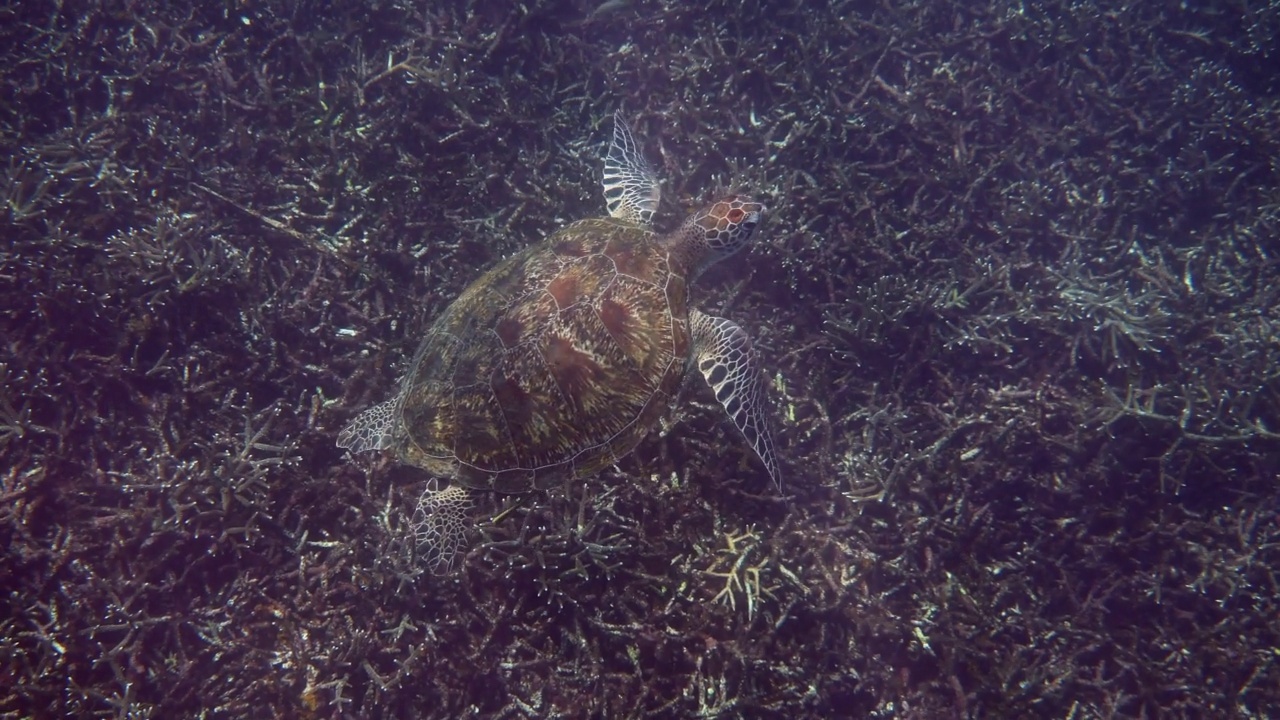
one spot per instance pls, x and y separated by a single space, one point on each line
719 230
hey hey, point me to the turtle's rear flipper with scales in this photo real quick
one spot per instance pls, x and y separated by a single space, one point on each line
371 429
725 358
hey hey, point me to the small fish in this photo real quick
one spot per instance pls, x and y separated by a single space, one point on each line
607 7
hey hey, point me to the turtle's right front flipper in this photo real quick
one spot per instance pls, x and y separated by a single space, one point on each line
727 361
440 524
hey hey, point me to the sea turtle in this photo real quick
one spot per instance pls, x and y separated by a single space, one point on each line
558 360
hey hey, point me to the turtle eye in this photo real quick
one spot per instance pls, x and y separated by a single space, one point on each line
745 215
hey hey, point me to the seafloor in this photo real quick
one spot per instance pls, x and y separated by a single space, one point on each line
1017 294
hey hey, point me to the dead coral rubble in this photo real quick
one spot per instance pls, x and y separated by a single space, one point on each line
1019 291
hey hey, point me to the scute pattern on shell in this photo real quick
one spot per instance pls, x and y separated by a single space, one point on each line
553 364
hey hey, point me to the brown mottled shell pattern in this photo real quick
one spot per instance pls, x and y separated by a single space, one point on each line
553 364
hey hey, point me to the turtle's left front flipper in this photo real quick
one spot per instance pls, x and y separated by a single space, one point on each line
725 358
631 187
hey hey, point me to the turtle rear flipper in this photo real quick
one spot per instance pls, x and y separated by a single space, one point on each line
728 363
371 429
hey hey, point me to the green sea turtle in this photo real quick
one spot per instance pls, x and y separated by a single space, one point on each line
557 361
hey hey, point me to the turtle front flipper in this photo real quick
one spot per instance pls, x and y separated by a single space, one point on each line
440 524
631 189
371 429
725 358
